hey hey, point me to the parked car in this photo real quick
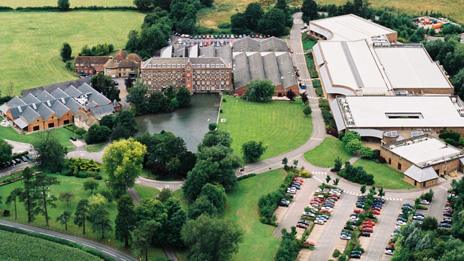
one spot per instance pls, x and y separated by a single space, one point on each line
284 202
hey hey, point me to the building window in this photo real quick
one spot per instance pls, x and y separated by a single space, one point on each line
51 125
66 122
399 166
389 161
35 128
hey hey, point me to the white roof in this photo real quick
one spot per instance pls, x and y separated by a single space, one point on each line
425 151
351 65
358 68
401 111
349 27
421 175
411 67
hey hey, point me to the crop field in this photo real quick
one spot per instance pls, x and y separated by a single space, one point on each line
31 42
17 246
74 3
280 125
452 8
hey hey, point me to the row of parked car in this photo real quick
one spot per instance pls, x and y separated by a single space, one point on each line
221 36
17 160
448 210
407 210
296 184
320 207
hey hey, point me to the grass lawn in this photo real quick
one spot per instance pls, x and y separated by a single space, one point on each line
34 39
447 7
95 147
146 192
325 154
16 246
242 207
384 176
280 125
61 134
308 43
73 3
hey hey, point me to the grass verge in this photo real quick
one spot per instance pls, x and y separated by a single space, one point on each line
61 134
384 176
325 154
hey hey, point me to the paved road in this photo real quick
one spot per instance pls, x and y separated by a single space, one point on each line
116 254
296 208
172 185
382 231
330 235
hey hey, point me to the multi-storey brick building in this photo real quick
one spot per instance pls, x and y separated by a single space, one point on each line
201 74
90 65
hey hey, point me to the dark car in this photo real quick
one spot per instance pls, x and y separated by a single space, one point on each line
365 234
284 202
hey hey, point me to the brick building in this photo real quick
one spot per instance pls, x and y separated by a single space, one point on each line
52 107
199 75
123 64
90 65
422 159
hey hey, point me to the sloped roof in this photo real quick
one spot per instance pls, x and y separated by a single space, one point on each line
421 175
59 108
30 99
88 60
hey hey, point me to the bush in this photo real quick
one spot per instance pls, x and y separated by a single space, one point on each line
212 126
356 174
97 134
259 91
253 150
336 253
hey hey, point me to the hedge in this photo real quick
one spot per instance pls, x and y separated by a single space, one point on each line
56 9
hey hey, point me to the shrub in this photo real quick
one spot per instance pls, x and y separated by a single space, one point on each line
356 174
336 253
259 91
253 150
97 134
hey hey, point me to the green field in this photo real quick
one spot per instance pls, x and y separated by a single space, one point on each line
61 134
74 3
146 192
384 176
242 207
280 125
31 42
17 246
455 9
325 154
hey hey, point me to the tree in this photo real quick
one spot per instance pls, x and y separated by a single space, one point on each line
100 220
6 151
124 125
253 150
91 185
273 23
174 223
66 197
253 13
42 183
307 111
285 162
64 219
81 214
66 52
260 91
336 181
216 195
13 197
97 134
144 5
363 189
201 206
184 15
212 126
238 24
29 194
51 154
63 5
429 223
289 247
183 97
143 234
381 192
337 164
327 179
211 239
123 162
164 195
215 138
309 9
353 146
282 5
125 220
105 84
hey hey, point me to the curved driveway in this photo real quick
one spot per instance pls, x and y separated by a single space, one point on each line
116 254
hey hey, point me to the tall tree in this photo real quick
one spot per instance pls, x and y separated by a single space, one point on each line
64 219
143 235
309 9
51 153
6 151
183 13
252 14
66 197
174 223
66 52
125 220
274 22
42 183
252 150
82 213
105 84
99 217
14 195
211 239
144 5
183 97
260 91
122 161
29 194
63 5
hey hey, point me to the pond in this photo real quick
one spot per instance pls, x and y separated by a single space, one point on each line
190 124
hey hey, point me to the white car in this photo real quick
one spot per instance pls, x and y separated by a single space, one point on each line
291 190
425 202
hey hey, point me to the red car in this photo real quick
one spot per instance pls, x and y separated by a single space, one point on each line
358 211
376 212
